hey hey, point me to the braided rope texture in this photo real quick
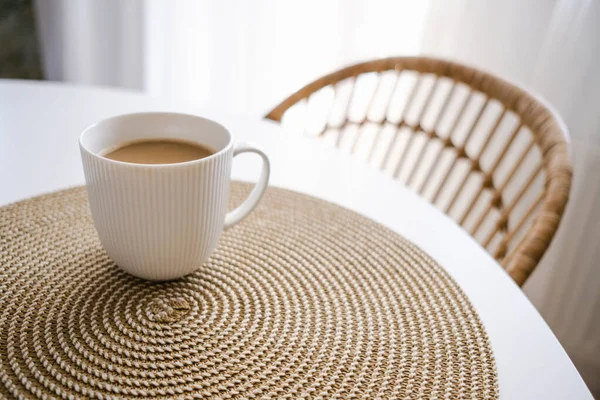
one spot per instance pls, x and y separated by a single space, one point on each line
304 299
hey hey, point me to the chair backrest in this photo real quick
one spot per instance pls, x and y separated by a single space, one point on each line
489 154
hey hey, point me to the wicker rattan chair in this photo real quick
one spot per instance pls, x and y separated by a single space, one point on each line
490 155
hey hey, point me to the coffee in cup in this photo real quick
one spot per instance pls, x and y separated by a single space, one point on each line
161 151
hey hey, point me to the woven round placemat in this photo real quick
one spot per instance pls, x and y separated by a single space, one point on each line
303 299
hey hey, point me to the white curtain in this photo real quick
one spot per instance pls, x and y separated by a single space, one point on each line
245 56
552 48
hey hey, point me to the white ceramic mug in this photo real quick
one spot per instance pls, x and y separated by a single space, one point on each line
162 221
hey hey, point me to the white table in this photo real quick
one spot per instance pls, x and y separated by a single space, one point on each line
40 124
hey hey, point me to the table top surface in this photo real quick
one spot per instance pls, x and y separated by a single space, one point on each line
40 123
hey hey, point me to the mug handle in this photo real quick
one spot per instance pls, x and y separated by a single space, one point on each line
235 216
